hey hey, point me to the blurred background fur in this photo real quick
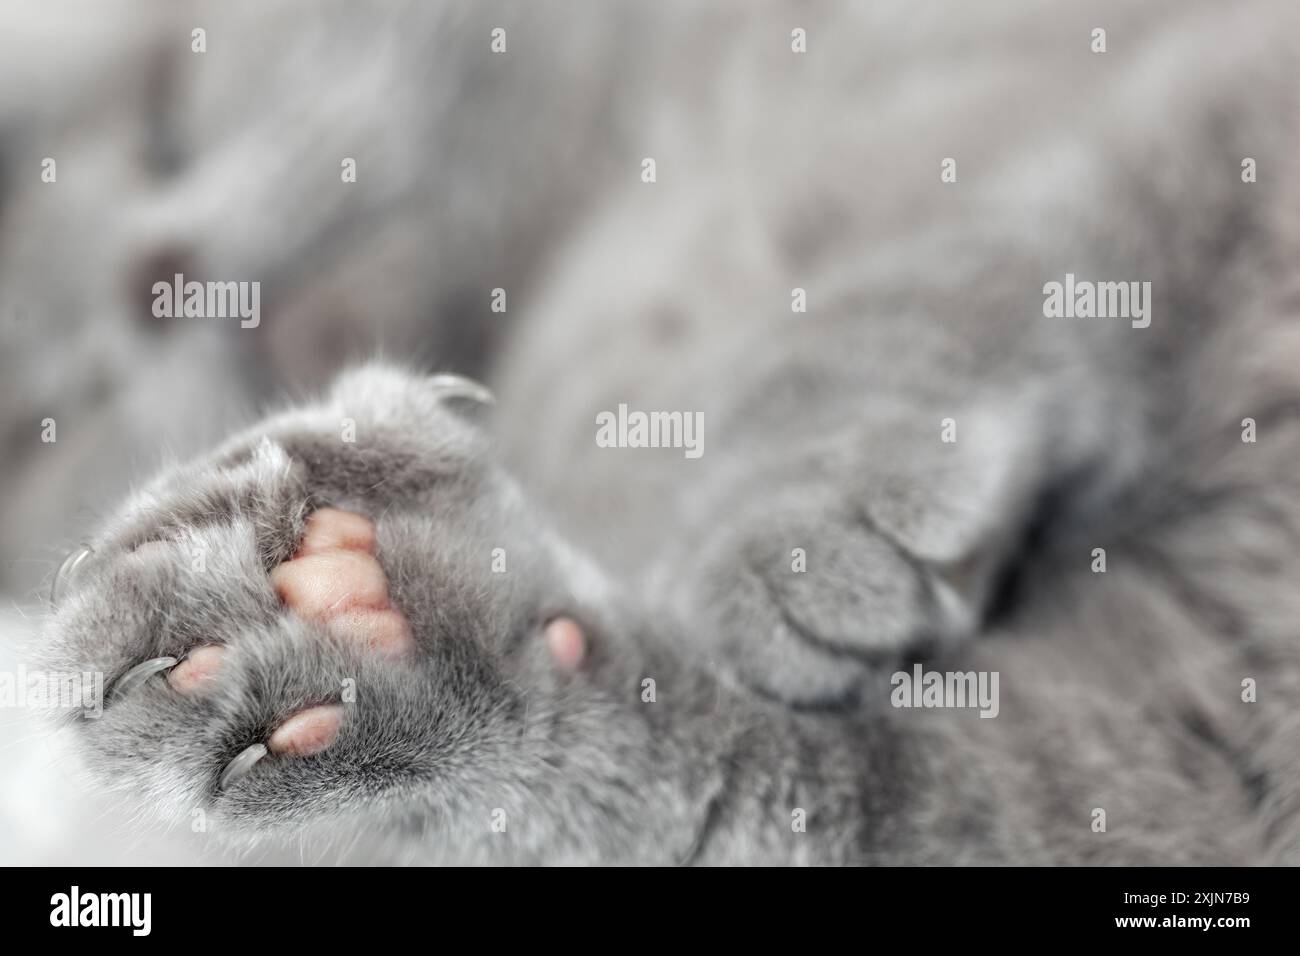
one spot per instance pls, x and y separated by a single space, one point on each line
521 172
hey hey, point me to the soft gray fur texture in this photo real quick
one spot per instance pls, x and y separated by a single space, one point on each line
1119 690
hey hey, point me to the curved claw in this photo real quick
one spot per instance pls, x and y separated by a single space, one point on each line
457 386
137 675
67 572
240 766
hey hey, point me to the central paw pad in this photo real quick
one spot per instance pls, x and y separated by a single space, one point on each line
334 580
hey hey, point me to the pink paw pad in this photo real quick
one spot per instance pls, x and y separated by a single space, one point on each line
307 732
335 580
566 642
198 671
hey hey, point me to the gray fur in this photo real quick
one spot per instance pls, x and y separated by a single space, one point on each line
1119 690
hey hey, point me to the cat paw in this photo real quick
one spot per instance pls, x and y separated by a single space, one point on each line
312 621
834 567
810 599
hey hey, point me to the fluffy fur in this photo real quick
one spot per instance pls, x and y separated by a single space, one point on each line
1119 690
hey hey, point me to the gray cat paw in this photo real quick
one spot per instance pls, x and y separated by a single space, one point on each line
307 622
818 598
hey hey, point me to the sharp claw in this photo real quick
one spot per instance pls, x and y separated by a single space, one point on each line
137 675
240 766
457 386
67 571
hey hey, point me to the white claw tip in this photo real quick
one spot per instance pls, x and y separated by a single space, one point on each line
240 766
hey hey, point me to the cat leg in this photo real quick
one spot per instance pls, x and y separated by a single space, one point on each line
348 620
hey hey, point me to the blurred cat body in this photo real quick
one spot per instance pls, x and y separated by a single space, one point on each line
777 173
